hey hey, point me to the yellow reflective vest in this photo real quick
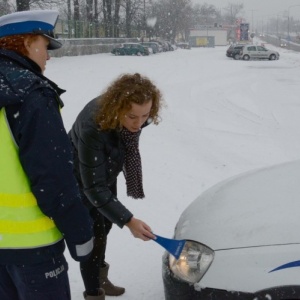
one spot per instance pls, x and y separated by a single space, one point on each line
22 223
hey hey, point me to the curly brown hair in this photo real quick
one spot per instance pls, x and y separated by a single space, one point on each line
126 89
16 42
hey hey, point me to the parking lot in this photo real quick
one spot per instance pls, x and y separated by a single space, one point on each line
223 117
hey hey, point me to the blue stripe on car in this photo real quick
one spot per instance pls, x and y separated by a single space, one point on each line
292 264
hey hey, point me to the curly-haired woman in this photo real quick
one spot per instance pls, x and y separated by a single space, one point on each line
105 138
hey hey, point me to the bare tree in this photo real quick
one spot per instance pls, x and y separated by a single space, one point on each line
134 16
232 12
23 5
107 14
185 23
42 4
116 19
128 18
76 17
89 10
111 17
171 17
96 18
69 17
180 18
206 14
5 7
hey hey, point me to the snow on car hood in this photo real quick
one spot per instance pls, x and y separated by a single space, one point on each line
260 207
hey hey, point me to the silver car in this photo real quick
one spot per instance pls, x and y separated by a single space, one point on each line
258 52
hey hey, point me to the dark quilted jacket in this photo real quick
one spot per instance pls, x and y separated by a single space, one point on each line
98 160
31 102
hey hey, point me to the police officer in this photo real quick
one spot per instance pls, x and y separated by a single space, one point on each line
40 206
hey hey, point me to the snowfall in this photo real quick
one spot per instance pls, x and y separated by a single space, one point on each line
222 117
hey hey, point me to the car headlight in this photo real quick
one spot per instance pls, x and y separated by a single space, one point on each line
193 262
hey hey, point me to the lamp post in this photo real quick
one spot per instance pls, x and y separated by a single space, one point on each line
289 21
277 26
144 21
283 14
145 14
252 24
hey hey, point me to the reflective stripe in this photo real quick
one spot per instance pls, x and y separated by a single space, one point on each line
21 214
21 241
85 249
22 223
17 200
27 227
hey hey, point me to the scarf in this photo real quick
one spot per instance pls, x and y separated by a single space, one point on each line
132 167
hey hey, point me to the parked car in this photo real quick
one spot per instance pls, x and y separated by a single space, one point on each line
183 45
153 45
160 46
131 49
170 46
174 46
236 48
282 44
258 52
236 53
242 240
163 44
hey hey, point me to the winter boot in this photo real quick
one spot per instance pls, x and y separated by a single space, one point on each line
110 289
101 296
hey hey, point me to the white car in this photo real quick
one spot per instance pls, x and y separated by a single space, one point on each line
258 52
242 240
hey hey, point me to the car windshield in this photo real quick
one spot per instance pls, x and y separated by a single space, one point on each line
252 48
259 48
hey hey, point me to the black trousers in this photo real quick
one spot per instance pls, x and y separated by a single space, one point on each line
41 281
90 268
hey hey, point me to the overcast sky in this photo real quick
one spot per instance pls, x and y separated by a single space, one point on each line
260 9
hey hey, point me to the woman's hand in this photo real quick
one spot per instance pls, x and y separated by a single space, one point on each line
139 229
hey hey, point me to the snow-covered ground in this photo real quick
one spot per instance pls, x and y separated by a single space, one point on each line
222 117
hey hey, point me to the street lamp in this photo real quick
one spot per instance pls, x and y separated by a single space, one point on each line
252 25
289 21
273 23
283 13
144 14
277 23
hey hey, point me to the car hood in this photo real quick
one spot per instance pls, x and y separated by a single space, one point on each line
260 207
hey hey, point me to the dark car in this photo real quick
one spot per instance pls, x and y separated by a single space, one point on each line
171 48
153 45
236 52
241 238
164 46
233 50
183 45
160 46
131 49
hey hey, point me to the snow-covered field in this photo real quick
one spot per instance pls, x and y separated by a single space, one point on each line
222 117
